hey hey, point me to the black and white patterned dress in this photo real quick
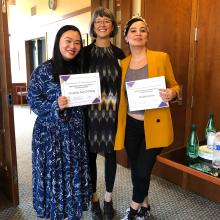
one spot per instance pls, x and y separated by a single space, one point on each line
102 117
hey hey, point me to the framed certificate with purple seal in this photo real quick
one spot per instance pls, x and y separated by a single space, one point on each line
81 89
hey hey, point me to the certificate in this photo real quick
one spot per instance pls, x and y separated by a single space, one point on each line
144 94
81 89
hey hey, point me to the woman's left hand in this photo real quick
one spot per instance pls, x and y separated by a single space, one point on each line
167 94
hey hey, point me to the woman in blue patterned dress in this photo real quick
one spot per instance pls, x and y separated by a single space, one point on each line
59 152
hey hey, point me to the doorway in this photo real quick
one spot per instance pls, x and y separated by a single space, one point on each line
35 54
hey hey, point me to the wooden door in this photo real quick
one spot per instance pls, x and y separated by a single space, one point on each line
170 24
8 163
206 92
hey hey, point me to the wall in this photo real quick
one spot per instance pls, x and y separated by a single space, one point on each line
46 22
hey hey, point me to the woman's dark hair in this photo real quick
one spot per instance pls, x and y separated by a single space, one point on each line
132 21
101 11
58 63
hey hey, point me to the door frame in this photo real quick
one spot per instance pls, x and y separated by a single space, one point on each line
8 163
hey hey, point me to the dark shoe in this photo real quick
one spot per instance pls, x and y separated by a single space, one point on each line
129 215
108 210
143 213
96 211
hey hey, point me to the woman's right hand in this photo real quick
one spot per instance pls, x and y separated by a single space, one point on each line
62 102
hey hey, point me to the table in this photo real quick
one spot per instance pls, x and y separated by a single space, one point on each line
172 165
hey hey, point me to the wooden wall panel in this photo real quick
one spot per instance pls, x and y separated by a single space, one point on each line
207 66
170 25
190 32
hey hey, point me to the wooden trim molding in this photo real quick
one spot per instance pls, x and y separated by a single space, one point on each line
9 173
70 15
143 14
76 13
126 13
191 69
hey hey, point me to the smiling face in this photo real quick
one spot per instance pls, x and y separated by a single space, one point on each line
69 44
103 27
137 34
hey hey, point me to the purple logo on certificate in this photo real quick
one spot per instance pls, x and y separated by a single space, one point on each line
65 77
163 104
96 100
130 84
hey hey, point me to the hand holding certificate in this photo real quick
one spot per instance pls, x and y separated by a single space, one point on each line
81 89
144 94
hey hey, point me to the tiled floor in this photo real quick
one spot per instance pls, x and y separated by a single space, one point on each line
168 201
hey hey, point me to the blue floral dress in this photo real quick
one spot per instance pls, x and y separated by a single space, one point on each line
59 153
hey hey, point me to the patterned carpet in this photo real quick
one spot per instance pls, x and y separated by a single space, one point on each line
168 201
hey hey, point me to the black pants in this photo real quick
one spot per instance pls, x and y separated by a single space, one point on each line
110 170
141 159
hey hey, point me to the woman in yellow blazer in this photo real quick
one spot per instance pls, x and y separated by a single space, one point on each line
143 133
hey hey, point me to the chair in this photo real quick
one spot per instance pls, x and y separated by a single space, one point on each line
21 92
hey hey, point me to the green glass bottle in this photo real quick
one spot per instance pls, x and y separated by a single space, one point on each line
210 127
192 146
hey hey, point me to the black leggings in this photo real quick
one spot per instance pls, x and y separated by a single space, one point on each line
110 170
141 159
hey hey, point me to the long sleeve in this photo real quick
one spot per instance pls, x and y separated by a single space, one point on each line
43 93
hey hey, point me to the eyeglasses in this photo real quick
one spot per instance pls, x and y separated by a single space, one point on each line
106 21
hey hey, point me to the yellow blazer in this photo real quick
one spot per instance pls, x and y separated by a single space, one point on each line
157 122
